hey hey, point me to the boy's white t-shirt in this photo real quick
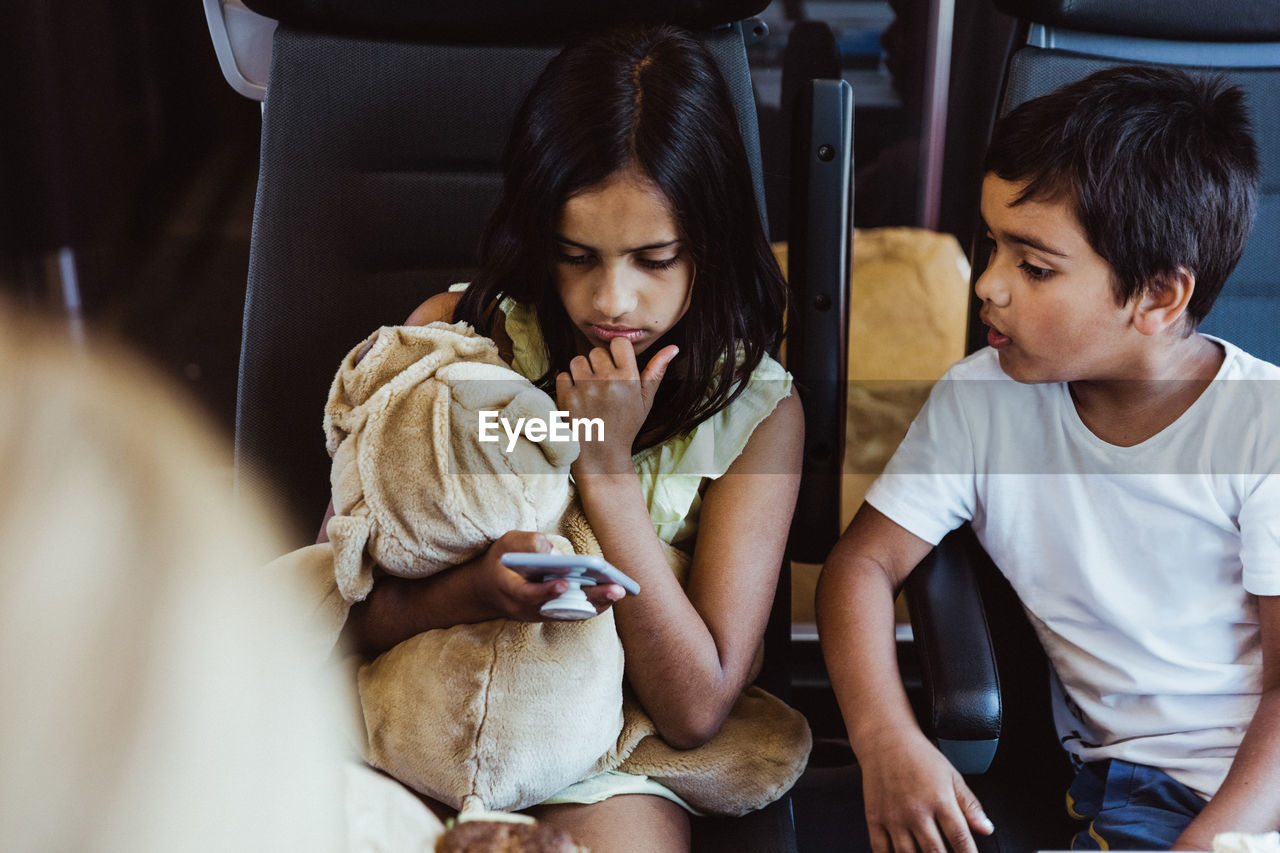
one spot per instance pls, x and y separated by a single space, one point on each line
1137 566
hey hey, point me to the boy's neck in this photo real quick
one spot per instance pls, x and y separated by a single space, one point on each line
1129 411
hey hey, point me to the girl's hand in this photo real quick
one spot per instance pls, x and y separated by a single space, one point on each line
509 595
607 384
916 800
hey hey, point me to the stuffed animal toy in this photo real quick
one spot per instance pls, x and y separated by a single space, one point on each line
502 714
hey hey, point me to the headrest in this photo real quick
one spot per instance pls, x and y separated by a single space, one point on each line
1178 20
496 21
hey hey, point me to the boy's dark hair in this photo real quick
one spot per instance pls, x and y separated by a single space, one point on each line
652 99
1160 166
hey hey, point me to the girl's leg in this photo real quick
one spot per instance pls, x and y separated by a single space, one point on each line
624 823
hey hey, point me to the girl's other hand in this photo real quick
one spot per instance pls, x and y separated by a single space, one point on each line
607 384
511 596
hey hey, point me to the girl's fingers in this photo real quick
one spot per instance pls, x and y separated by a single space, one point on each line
602 359
530 541
656 369
623 354
533 593
580 368
602 597
564 384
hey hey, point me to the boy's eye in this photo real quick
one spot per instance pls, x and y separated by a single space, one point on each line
1034 272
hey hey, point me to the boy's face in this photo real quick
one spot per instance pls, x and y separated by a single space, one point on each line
1046 294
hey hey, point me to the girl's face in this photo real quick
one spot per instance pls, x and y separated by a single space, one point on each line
622 269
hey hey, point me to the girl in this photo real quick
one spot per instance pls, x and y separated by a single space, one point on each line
625 270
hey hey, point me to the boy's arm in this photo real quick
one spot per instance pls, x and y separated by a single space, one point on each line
1249 799
914 798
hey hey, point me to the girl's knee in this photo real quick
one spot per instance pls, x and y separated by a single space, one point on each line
616 824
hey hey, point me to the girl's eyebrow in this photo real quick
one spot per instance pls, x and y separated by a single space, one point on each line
647 248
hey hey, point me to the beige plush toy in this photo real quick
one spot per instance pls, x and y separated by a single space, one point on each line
502 714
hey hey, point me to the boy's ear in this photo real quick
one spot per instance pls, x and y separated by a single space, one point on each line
1164 301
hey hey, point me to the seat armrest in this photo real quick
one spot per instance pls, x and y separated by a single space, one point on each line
963 711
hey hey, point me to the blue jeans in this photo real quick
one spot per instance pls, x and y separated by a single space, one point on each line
1129 807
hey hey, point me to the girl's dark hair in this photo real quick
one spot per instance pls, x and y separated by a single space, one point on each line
1159 165
652 100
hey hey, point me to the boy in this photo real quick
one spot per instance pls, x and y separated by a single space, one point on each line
1114 463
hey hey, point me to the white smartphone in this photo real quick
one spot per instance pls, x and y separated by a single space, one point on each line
592 569
579 569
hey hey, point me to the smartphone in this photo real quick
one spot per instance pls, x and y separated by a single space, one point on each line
588 569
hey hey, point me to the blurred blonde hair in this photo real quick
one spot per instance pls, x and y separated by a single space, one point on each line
159 689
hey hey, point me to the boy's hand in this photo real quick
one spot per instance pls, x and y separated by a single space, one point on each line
511 596
1193 840
607 384
916 800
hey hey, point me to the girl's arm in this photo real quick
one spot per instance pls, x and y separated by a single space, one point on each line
1249 799
437 307
688 651
476 591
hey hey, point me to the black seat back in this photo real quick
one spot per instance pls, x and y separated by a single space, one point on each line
1061 41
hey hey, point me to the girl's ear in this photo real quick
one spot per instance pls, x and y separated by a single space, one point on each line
1164 301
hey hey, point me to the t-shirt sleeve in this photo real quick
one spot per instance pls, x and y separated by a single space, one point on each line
1259 517
929 485
1260 536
